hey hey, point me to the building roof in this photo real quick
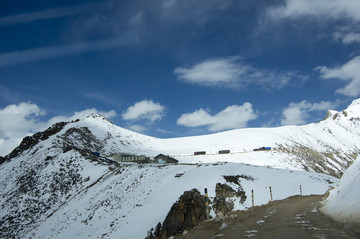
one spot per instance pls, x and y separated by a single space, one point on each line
165 157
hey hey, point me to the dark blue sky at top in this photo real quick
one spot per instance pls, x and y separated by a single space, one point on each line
68 56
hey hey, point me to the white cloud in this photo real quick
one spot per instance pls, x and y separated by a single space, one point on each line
18 121
145 110
347 38
235 116
324 8
351 38
212 72
349 72
232 72
298 113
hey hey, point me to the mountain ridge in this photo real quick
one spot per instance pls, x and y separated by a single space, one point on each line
334 142
55 186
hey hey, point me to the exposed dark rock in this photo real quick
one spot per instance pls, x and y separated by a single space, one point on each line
222 205
48 158
236 179
2 159
83 139
332 162
30 141
186 213
223 192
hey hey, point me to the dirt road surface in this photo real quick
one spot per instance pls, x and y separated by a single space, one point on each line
295 217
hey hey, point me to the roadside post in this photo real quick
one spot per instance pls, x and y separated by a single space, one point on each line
271 196
300 191
252 196
207 204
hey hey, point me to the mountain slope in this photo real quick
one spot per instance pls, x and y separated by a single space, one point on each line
74 198
53 186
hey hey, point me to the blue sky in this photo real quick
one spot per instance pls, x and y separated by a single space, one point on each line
171 68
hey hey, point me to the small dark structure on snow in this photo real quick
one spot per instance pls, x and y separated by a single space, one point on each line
200 153
161 158
96 154
262 149
224 151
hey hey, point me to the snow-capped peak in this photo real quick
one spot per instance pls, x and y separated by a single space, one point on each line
98 117
351 112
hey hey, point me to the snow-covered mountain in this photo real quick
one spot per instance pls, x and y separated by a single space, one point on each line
52 186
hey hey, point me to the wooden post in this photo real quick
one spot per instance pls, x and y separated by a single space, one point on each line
271 196
252 196
207 204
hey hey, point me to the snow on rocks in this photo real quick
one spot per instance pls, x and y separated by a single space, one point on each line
343 203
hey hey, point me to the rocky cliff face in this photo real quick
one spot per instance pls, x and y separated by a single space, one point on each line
31 141
223 201
186 213
226 195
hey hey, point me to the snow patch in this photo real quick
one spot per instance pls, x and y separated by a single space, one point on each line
343 203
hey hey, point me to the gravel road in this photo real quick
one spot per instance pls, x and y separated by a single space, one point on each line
295 217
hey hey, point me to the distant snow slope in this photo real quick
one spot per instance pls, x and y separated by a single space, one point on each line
343 203
328 146
53 187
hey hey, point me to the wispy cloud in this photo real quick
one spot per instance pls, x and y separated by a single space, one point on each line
49 14
347 38
349 72
102 97
168 3
137 128
232 117
329 9
233 72
9 95
20 57
344 14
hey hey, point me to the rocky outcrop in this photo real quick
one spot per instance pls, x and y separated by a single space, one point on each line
80 137
223 202
332 162
30 141
186 213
